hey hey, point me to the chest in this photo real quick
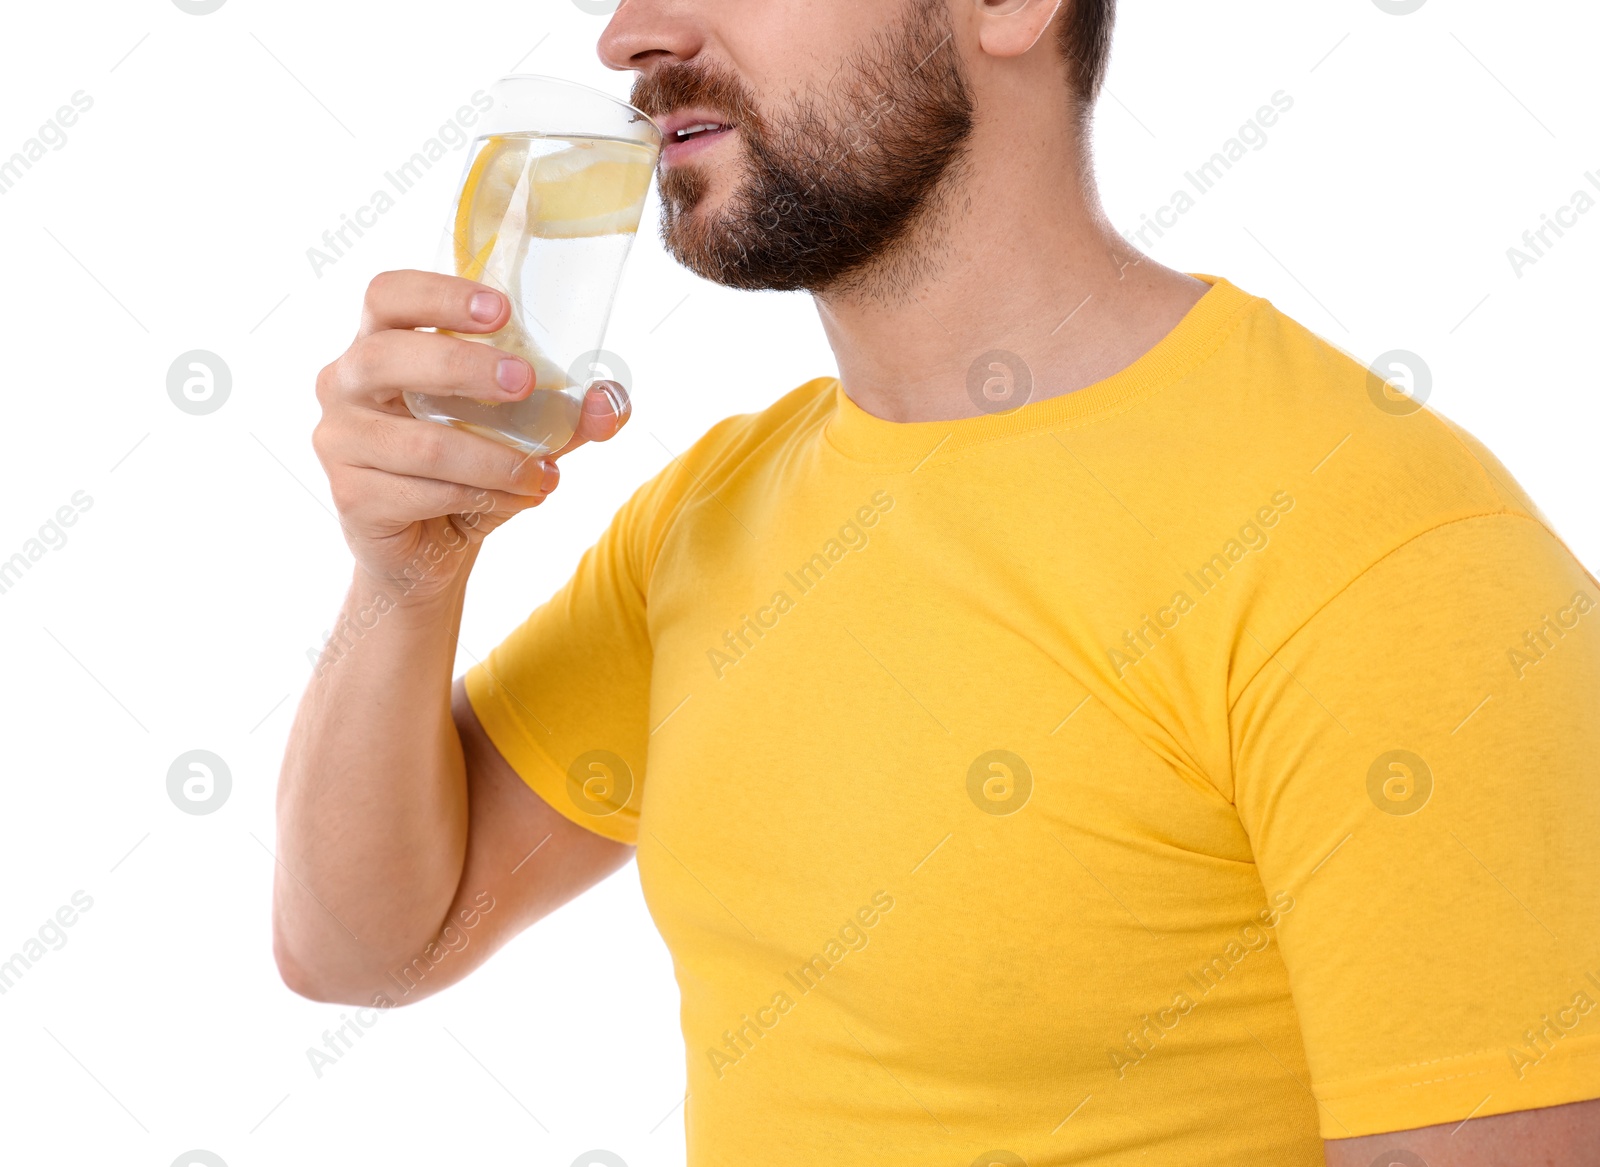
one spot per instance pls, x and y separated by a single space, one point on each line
868 687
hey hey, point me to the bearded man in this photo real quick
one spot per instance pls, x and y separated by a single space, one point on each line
1102 725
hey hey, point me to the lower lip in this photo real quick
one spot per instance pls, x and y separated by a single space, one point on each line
675 152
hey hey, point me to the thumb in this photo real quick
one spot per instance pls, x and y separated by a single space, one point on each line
606 409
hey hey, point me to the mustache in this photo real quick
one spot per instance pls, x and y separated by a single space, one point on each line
693 85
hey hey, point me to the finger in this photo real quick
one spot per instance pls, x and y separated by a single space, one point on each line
422 299
395 501
606 409
409 447
379 367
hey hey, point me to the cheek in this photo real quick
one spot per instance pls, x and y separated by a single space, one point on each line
728 173
783 51
710 185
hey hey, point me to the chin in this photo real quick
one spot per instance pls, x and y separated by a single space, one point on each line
690 204
697 187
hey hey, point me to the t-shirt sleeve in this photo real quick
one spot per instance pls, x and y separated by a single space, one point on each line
566 696
1419 768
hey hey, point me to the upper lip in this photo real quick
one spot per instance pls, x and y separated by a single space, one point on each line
683 119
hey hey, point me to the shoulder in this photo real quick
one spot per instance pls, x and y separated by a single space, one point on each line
1361 440
745 440
740 445
1281 427
1273 379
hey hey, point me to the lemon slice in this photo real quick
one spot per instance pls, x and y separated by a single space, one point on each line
512 196
596 188
512 339
590 188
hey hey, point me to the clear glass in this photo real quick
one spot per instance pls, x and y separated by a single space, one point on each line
547 208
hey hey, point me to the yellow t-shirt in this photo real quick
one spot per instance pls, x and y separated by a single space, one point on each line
1181 770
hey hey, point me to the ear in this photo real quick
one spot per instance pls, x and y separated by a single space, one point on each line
1009 28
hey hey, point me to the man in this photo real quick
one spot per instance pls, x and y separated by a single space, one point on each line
1104 725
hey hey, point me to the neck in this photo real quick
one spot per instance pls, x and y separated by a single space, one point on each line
1014 257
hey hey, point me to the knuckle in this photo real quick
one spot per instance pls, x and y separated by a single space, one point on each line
412 497
523 472
363 362
444 300
321 441
475 505
468 502
341 488
430 443
382 439
464 364
382 288
325 383
378 442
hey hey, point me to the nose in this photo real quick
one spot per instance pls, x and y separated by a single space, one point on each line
646 34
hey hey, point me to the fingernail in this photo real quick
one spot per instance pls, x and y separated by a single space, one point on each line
552 474
618 397
512 374
485 306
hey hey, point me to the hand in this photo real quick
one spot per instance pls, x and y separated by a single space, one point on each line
407 490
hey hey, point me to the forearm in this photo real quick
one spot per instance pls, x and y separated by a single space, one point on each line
372 799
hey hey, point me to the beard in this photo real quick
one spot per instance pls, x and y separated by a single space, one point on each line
830 190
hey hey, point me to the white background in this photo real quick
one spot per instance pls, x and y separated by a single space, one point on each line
179 613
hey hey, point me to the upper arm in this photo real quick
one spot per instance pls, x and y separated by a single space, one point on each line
516 841
1556 1136
523 861
1418 766
554 729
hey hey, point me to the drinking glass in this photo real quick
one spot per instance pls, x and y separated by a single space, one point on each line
546 211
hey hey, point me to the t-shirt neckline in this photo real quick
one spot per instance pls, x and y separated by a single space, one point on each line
865 437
